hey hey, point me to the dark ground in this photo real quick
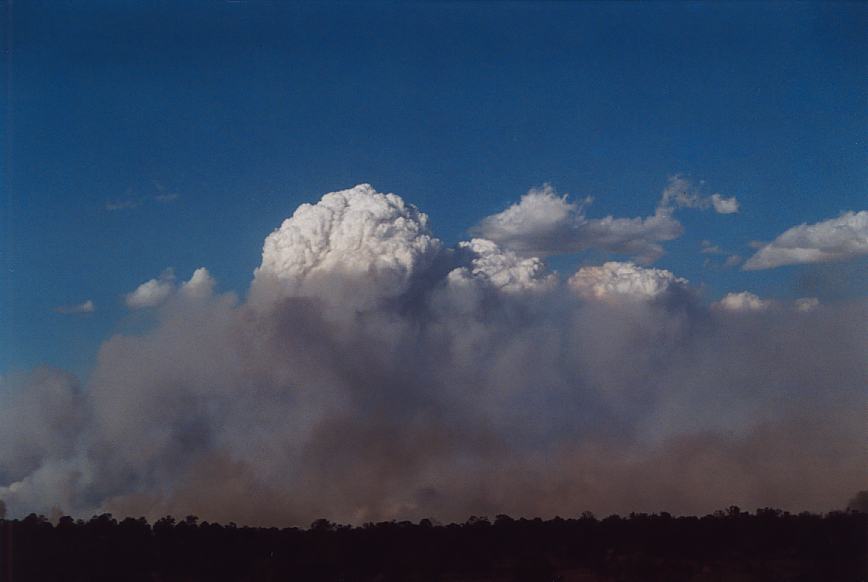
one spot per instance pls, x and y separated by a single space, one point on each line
768 545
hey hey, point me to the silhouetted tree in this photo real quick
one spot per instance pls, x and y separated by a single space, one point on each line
731 544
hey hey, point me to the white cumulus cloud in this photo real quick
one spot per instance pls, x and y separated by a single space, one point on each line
502 269
201 284
724 205
354 247
543 223
742 302
836 239
152 292
614 280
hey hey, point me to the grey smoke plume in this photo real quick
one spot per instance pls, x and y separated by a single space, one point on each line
373 374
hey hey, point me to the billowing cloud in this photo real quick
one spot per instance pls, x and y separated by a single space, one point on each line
543 223
502 269
355 246
451 382
79 308
152 292
836 239
742 302
615 280
200 284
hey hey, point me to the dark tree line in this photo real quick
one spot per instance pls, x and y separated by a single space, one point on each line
728 545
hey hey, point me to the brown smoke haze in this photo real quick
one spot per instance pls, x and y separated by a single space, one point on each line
371 373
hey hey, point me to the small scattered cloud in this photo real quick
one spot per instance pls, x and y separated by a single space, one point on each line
744 301
164 196
732 261
681 192
836 239
153 292
84 307
806 304
724 205
130 201
709 248
122 204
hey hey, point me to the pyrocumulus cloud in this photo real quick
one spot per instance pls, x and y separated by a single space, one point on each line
373 372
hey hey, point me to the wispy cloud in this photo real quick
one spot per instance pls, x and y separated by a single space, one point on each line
732 261
79 308
157 193
681 192
709 248
122 204
164 196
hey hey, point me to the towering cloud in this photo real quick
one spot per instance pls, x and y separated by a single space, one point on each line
836 239
355 246
374 374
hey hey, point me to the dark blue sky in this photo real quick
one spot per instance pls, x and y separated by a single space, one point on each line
246 109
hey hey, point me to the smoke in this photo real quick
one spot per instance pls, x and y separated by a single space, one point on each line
374 374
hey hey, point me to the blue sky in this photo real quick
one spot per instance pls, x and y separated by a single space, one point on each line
246 110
